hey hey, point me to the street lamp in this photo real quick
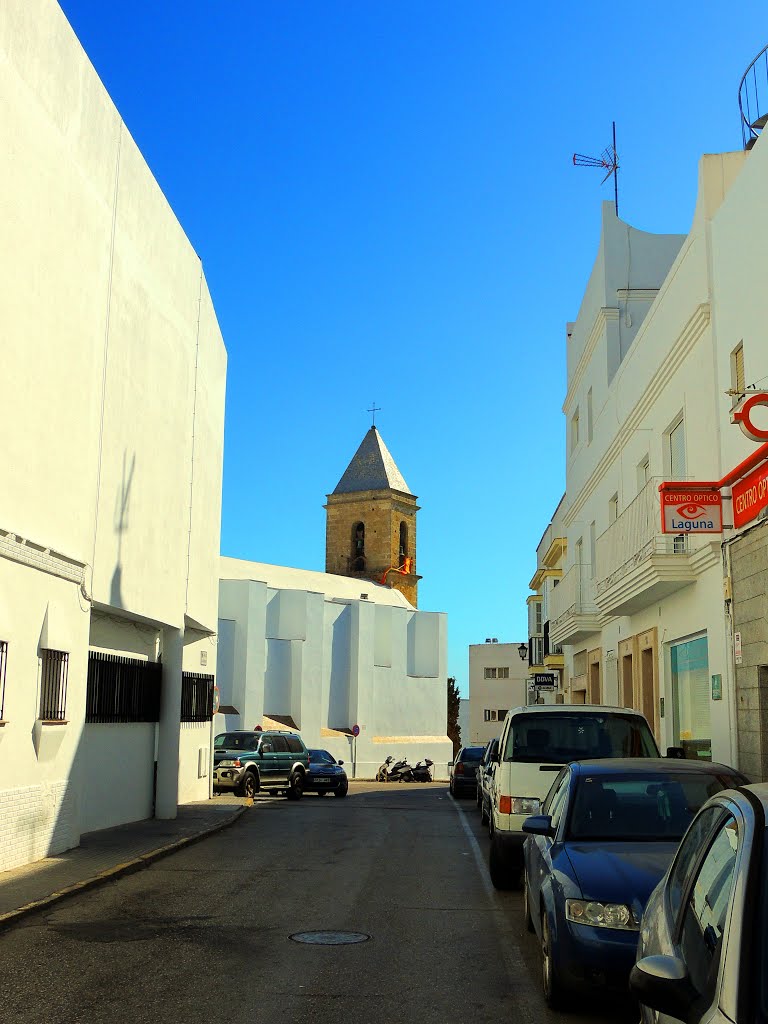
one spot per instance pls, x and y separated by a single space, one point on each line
522 650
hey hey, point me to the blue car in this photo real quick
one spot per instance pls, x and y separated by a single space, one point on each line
325 775
607 833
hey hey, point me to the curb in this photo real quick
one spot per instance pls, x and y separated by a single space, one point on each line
128 867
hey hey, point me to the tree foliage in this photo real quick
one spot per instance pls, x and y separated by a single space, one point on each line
454 706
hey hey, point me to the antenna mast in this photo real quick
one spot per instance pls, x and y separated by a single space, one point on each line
609 160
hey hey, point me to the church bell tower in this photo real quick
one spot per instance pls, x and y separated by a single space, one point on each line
370 530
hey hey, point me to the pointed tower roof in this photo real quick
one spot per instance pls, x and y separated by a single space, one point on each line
372 469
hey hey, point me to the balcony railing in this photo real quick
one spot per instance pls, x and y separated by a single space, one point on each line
634 558
574 595
753 99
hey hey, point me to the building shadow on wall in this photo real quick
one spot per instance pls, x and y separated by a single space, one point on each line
121 523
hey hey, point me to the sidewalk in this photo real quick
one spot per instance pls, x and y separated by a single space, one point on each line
108 854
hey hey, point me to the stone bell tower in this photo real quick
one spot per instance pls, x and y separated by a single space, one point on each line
370 530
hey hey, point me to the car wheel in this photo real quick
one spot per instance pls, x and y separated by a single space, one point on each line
295 786
342 790
527 903
249 787
502 874
450 788
554 994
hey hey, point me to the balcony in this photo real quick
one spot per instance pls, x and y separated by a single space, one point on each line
573 611
638 565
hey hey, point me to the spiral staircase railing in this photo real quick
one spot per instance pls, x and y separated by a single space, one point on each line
753 99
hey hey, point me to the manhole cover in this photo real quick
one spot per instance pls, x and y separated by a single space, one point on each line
329 938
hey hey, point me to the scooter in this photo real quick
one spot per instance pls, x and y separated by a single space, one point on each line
401 771
383 773
423 771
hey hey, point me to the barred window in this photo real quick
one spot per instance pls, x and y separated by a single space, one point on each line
53 688
122 689
489 673
3 661
504 672
196 697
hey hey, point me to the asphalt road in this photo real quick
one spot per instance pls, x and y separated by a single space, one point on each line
204 935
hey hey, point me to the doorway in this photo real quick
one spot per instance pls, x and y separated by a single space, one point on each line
689 663
627 687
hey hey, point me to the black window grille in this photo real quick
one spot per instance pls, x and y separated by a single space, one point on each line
3 661
53 688
196 697
122 689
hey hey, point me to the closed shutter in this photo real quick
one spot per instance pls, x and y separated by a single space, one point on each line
677 451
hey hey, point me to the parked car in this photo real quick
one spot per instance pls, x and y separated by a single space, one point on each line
702 949
274 760
462 774
607 834
484 772
326 774
535 743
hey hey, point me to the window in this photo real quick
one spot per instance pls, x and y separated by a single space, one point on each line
589 416
295 747
489 715
279 745
557 798
3 660
53 689
403 550
687 854
357 560
738 383
503 672
489 673
196 697
126 690
613 508
592 549
501 714
574 430
643 473
707 910
676 450
579 553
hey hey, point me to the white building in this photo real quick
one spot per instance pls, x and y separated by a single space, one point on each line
308 651
497 682
111 413
667 325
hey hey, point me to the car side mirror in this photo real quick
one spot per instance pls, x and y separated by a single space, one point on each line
339 762
676 752
538 825
662 983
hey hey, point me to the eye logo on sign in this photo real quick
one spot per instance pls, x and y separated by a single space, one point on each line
742 414
693 510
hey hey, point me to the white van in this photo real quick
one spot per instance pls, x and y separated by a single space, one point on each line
535 743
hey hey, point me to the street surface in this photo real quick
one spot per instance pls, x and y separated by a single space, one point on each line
203 935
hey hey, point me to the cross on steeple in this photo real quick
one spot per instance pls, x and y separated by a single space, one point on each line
374 409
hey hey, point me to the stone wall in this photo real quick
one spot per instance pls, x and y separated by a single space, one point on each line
749 573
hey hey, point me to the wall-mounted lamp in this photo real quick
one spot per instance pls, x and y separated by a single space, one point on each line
522 650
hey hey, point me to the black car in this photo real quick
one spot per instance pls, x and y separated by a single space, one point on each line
326 775
463 771
702 950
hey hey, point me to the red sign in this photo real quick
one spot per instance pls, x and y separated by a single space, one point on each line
691 511
750 496
742 414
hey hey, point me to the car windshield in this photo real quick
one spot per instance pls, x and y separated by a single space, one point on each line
471 753
322 757
561 737
236 741
652 806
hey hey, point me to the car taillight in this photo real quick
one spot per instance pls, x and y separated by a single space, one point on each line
505 805
459 769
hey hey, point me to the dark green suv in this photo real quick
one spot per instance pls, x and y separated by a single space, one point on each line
273 760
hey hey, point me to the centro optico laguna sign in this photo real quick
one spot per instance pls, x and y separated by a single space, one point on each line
690 510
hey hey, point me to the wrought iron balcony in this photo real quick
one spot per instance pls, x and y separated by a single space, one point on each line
573 611
753 99
638 565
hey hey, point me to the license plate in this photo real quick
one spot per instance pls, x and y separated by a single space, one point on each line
323 782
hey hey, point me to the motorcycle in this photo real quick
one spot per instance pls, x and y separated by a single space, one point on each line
401 771
423 771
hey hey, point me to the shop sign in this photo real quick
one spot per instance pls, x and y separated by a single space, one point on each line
742 414
544 680
750 496
737 655
691 511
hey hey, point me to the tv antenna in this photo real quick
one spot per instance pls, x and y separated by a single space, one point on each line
609 160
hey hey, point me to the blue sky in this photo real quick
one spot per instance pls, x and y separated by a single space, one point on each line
383 198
